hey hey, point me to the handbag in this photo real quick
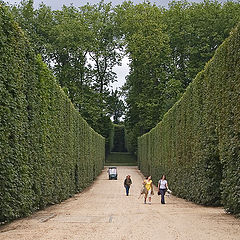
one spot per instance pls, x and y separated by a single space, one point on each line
144 190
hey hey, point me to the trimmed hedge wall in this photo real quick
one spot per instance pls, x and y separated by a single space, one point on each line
119 138
48 151
197 144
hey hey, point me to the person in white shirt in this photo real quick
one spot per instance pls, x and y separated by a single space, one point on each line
162 188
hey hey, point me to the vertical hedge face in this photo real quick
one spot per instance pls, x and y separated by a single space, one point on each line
197 145
119 139
48 152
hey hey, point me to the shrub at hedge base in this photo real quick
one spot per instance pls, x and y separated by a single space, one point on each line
48 152
197 144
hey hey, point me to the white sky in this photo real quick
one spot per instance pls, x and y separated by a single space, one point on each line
121 71
57 4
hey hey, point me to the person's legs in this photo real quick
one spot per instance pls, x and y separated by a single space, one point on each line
145 198
127 190
162 192
149 196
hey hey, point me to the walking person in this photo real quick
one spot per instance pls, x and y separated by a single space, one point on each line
162 187
149 190
127 184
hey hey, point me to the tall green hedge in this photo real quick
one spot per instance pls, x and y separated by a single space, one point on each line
197 144
48 152
119 139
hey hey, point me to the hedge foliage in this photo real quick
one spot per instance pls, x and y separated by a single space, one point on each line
48 151
197 144
119 139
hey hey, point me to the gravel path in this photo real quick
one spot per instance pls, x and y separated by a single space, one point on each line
104 212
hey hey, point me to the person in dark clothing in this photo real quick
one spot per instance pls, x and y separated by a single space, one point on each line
127 184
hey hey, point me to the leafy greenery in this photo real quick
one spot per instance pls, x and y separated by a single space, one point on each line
81 48
119 139
48 151
167 48
116 106
197 143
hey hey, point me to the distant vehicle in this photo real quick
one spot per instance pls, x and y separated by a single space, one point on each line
112 173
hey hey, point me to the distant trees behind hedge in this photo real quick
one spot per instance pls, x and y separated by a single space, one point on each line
119 140
81 47
197 144
166 47
48 151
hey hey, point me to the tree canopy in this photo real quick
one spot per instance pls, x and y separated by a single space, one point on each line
166 47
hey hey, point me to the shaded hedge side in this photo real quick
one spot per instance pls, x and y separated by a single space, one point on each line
197 145
48 152
119 139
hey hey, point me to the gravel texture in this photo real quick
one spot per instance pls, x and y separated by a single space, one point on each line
104 212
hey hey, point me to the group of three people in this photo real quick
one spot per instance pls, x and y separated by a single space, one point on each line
148 188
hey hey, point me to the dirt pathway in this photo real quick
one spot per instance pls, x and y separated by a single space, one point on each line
104 212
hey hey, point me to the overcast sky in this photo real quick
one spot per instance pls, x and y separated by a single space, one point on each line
57 4
122 71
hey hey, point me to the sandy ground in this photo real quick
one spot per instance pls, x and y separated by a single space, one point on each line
104 212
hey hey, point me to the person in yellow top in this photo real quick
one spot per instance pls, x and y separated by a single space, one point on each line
149 189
